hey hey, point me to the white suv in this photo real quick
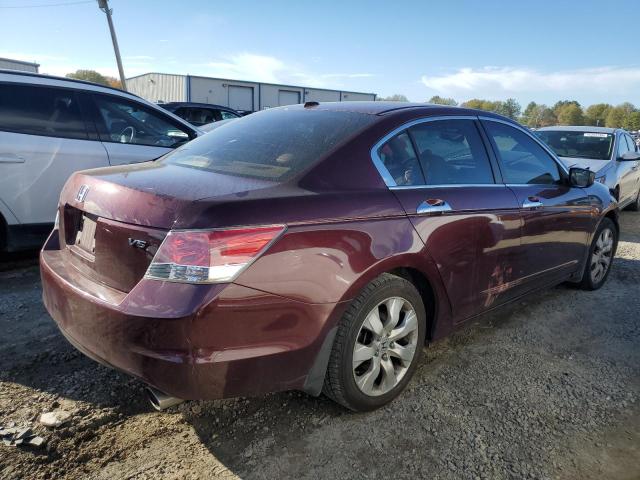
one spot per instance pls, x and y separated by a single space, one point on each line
51 127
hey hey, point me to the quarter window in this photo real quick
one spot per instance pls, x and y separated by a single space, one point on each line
129 122
452 152
35 110
522 159
400 159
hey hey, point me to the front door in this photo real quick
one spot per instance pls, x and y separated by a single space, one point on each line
556 218
470 224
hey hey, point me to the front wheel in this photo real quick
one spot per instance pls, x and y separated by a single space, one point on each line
603 248
377 346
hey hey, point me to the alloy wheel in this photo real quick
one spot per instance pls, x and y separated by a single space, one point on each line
385 346
601 256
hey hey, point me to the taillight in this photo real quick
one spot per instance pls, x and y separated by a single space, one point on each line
210 256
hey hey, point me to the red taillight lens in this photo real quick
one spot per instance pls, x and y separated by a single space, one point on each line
212 256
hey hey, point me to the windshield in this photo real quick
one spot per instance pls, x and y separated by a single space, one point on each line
582 144
272 145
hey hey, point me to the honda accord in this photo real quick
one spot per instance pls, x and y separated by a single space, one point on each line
317 247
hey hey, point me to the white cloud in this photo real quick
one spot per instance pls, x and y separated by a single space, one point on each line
263 68
498 82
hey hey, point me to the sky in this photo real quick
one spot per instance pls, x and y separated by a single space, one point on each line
543 51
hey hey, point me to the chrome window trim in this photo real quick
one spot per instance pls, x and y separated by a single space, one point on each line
547 149
447 185
377 161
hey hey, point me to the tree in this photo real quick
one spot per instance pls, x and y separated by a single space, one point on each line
570 114
547 117
632 121
529 114
597 114
616 117
95 77
509 108
393 98
438 100
563 103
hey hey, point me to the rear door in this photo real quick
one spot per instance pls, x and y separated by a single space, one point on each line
440 171
132 132
43 140
557 218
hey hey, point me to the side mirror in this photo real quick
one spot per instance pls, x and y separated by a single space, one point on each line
629 157
581 177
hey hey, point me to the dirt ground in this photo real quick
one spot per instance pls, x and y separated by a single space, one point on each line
546 388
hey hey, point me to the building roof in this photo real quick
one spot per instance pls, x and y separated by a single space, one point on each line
21 62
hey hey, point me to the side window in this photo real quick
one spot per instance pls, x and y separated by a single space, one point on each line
35 110
128 122
622 145
452 152
400 159
630 145
227 115
523 161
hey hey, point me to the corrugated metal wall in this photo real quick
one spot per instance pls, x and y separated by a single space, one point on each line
231 93
20 66
159 87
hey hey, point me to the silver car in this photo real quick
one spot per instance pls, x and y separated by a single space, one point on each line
609 152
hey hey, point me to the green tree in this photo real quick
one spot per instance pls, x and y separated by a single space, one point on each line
438 100
563 103
570 114
597 114
393 98
529 114
632 122
616 117
547 118
509 108
95 77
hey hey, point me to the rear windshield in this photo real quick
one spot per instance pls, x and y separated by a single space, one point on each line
272 145
583 144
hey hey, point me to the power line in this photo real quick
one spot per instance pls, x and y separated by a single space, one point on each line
47 4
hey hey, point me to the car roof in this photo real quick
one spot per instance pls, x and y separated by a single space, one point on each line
384 108
578 128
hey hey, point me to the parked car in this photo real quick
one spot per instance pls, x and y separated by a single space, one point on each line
610 152
199 114
50 127
317 248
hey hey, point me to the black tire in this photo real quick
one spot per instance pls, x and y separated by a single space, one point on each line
588 282
340 384
635 206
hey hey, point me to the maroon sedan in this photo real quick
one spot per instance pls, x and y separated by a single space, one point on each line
317 248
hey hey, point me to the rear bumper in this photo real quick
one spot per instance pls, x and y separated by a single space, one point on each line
189 341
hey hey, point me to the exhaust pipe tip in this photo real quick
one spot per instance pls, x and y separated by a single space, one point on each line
161 401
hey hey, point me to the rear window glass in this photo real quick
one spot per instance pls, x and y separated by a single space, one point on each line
270 145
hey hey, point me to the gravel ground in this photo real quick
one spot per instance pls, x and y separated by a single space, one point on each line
546 388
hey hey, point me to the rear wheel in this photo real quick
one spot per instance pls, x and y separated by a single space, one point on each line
377 346
601 253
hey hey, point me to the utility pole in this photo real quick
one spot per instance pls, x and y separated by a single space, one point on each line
104 6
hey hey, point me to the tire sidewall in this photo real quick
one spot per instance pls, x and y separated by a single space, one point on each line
394 288
605 223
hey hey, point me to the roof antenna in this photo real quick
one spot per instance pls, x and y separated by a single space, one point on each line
310 104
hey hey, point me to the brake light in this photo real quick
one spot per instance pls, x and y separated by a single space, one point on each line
210 256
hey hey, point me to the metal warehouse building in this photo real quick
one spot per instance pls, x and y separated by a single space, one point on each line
239 95
10 64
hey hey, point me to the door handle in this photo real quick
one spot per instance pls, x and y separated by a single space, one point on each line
10 158
532 202
433 205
